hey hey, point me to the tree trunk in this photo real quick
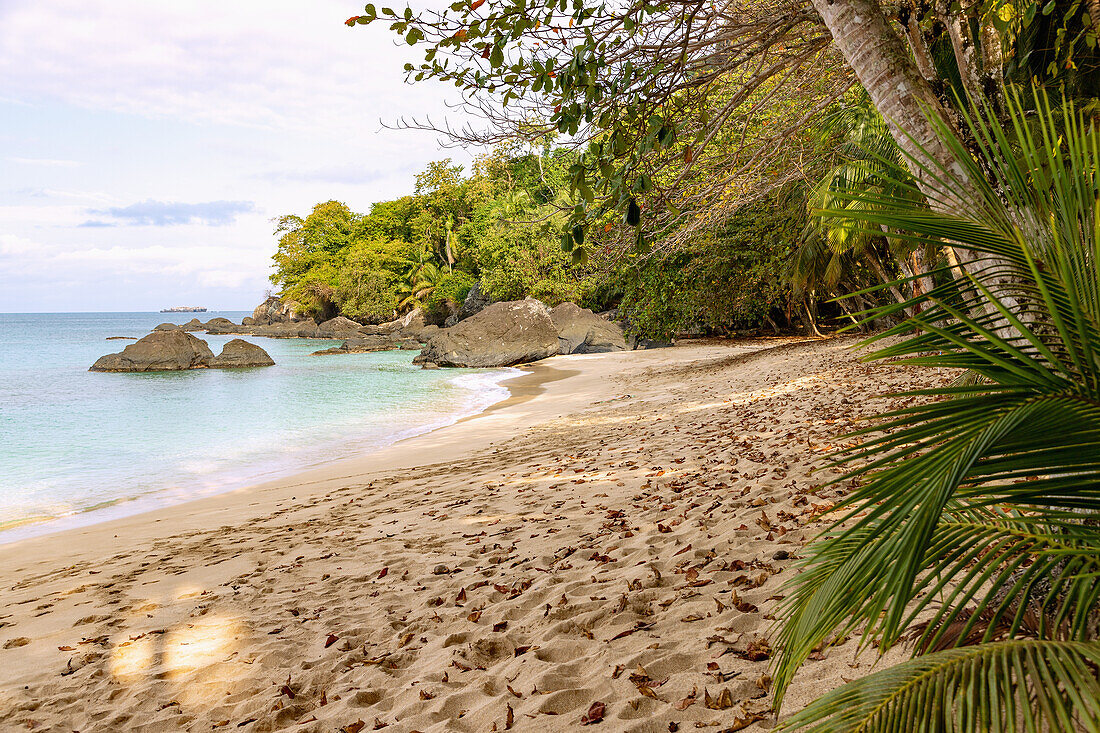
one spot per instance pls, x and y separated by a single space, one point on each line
880 61
882 65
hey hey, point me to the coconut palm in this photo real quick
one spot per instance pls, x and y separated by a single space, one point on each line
975 530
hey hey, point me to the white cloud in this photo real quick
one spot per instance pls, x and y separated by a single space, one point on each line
278 64
48 162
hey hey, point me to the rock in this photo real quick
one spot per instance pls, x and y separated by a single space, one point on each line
428 365
167 327
193 325
365 344
221 325
512 332
427 332
475 302
238 354
159 351
412 322
248 321
450 320
339 325
122 338
441 570
583 332
270 311
287 330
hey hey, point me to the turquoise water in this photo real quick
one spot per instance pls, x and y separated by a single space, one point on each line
79 446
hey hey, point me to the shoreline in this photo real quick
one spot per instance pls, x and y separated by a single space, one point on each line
619 530
524 387
242 478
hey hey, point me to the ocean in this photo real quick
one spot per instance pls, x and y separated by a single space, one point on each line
78 447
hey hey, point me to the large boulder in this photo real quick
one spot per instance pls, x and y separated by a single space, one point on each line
580 331
238 354
193 325
507 333
159 351
166 327
340 327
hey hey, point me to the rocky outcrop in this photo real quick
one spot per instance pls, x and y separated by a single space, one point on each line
286 330
159 351
221 325
166 327
503 334
580 331
193 325
476 301
269 311
173 351
365 344
239 354
339 327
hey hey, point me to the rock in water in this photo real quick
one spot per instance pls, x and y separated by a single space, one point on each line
220 325
583 332
159 351
238 354
512 332
193 325
364 344
166 327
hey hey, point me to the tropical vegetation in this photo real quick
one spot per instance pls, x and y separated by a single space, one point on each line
779 163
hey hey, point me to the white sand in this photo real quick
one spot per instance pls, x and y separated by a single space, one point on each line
607 535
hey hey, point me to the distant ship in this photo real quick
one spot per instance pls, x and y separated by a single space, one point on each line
183 309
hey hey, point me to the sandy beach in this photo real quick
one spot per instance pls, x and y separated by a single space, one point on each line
617 532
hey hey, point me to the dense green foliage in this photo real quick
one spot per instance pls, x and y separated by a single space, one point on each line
498 228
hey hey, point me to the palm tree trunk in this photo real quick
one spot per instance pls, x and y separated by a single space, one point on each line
901 94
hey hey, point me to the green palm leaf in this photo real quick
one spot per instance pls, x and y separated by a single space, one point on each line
1004 686
978 517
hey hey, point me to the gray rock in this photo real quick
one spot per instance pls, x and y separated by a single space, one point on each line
503 334
287 330
221 325
167 327
475 302
583 332
248 321
239 354
339 326
193 325
365 344
159 351
270 311
122 338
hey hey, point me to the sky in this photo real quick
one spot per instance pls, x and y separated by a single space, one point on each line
145 147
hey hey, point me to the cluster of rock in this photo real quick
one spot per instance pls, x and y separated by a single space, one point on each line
176 350
520 331
479 334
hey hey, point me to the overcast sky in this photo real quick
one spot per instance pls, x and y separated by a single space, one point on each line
146 146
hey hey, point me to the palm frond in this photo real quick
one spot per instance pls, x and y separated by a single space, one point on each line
980 509
1005 686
